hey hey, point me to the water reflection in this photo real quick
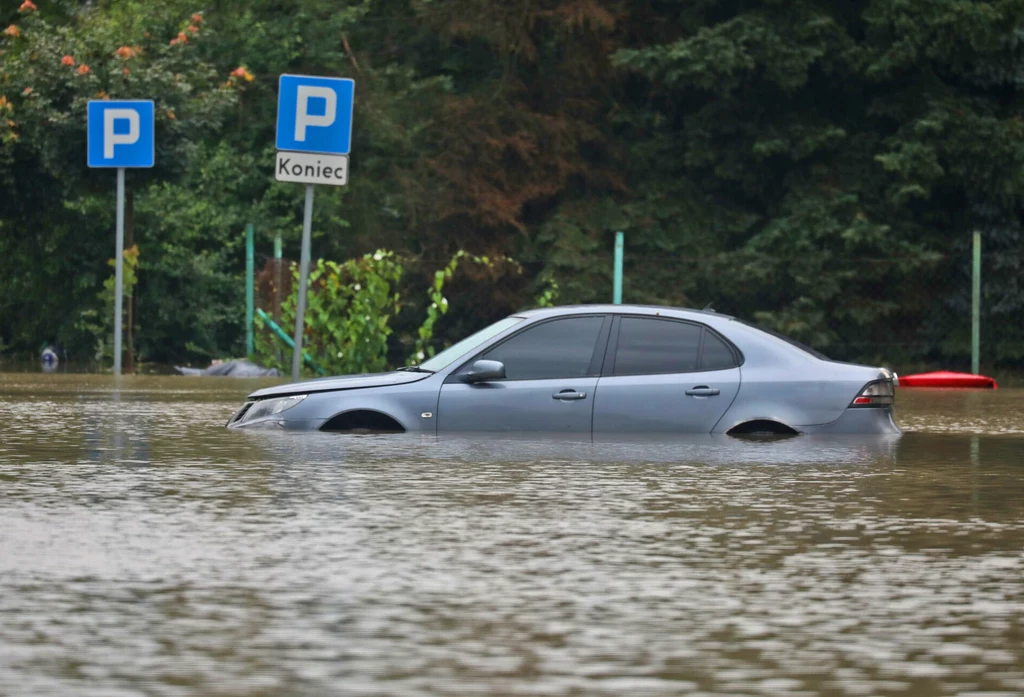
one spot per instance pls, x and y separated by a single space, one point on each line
144 549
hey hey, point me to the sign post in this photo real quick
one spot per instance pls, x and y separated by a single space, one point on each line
120 135
314 137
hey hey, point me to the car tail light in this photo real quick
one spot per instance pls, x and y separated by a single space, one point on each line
876 394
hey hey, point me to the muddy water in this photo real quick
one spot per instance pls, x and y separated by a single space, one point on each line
145 550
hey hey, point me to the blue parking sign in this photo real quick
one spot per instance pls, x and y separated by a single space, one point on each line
121 134
314 114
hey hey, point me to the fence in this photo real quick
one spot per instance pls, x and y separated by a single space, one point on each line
910 314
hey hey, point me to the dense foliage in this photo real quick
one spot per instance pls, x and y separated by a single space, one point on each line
818 165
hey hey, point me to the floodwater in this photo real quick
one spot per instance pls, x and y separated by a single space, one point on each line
146 550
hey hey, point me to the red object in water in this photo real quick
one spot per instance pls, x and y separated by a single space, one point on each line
944 378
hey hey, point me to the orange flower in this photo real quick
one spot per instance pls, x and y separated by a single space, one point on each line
173 41
27 91
124 52
84 69
242 73
28 6
197 18
12 31
67 60
182 39
193 29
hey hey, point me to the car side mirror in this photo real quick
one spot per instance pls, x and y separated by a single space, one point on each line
484 371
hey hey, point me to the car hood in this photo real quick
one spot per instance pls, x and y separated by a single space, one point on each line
342 382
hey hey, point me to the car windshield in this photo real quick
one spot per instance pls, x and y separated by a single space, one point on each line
460 349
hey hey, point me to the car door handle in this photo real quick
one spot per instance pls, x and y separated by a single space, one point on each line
702 391
569 394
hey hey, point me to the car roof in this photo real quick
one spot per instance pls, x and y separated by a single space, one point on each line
652 310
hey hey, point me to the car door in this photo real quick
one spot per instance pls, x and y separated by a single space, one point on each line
665 375
551 370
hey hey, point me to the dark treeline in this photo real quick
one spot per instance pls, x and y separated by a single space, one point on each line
816 165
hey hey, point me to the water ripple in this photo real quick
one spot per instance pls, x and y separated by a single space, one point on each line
146 550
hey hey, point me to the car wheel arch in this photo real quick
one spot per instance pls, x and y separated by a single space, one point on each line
760 426
363 421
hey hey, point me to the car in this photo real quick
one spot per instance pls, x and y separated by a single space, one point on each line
594 370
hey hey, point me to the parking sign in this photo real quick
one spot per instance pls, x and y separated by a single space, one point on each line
314 114
314 136
121 134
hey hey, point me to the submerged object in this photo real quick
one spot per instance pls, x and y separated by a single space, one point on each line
49 358
945 378
234 369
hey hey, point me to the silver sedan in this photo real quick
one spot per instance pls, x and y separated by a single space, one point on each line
597 369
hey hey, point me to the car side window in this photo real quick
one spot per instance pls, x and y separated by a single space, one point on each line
651 346
716 355
559 349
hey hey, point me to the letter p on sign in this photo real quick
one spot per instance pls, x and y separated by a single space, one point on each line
110 138
302 116
314 114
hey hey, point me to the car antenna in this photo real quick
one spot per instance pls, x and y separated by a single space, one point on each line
708 308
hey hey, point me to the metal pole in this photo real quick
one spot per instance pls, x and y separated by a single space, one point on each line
119 271
976 307
250 273
277 286
617 287
300 310
277 275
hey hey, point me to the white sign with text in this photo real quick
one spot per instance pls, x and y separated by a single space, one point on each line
308 168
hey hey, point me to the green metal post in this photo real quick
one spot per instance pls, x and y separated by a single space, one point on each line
272 325
250 271
976 307
277 274
617 287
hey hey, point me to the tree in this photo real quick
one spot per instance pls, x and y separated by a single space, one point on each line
54 205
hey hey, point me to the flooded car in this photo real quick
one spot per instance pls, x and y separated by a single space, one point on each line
598 369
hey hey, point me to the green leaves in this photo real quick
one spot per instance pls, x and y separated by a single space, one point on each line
815 164
349 309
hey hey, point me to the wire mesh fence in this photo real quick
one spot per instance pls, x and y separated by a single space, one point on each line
910 314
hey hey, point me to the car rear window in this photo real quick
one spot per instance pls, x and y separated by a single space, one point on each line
792 342
717 355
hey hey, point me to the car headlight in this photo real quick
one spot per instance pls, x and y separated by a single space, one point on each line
269 407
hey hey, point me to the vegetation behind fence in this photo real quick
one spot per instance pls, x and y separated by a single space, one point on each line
818 166
925 320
